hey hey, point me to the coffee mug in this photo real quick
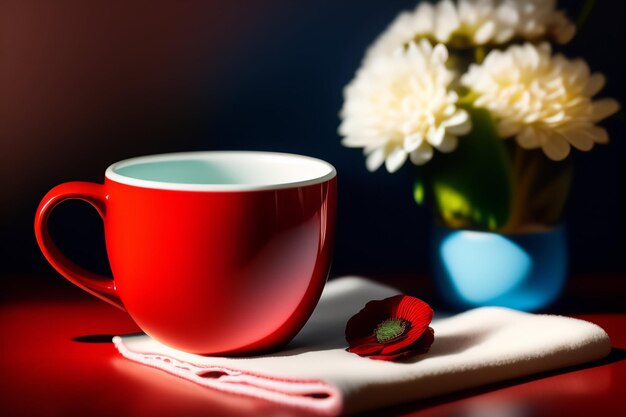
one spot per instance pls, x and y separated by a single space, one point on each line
211 252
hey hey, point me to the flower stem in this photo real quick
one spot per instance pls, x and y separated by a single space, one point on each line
479 54
584 13
539 190
524 175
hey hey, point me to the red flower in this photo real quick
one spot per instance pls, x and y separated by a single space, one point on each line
396 327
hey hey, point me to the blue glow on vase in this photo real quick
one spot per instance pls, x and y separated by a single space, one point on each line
521 271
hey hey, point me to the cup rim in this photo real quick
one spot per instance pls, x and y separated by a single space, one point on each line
112 175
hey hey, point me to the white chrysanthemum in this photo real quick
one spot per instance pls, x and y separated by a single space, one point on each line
543 100
399 106
426 20
478 22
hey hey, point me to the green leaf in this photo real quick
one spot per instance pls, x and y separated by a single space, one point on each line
471 186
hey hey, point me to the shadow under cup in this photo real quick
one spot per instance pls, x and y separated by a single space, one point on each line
211 252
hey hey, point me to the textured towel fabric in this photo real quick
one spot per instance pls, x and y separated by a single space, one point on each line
315 372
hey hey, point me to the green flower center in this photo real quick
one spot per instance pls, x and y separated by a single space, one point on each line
390 329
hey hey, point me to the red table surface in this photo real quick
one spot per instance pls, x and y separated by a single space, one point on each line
56 359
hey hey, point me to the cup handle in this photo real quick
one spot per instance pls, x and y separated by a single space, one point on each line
100 286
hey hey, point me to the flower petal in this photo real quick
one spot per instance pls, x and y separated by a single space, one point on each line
396 158
423 344
579 138
556 147
375 159
562 29
507 128
422 154
412 142
416 312
459 124
367 345
594 84
599 134
601 109
446 20
458 118
435 135
485 32
355 141
365 350
449 143
528 139
440 53
387 358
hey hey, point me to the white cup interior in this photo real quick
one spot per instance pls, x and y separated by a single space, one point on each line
221 171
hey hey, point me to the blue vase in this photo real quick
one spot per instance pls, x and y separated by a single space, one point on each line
523 271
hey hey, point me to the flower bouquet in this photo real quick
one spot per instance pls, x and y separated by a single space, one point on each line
473 95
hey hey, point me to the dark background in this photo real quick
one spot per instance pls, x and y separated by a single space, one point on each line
84 84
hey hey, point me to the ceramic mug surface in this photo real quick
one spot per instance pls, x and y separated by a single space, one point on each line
211 252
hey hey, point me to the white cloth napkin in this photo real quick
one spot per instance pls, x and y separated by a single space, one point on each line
315 372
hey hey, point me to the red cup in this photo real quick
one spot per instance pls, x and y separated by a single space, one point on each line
211 252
